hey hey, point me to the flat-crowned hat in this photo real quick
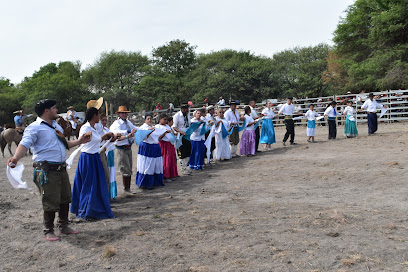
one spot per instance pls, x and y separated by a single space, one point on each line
70 107
18 111
371 95
185 106
210 107
95 103
122 109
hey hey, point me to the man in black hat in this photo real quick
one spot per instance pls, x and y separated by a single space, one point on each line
50 174
181 122
371 106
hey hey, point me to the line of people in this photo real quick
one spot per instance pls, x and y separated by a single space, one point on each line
206 135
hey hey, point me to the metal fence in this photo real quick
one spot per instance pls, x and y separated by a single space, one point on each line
396 100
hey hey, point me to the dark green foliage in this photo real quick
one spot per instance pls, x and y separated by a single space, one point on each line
372 45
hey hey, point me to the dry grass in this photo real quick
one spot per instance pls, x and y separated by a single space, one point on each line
392 163
352 260
198 268
110 251
391 227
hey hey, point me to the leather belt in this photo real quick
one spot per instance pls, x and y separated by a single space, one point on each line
49 166
127 147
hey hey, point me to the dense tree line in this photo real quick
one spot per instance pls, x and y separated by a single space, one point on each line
370 52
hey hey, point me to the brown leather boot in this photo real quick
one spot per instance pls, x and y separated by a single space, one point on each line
126 183
63 220
49 226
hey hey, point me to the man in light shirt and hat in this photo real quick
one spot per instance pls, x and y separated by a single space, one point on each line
124 147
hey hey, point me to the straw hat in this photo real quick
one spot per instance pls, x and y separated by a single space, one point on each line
95 103
70 107
210 107
18 111
122 109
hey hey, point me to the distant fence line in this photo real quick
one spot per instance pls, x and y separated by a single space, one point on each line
396 100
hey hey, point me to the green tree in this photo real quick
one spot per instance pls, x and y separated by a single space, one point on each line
12 98
372 45
61 82
298 72
229 73
176 58
117 76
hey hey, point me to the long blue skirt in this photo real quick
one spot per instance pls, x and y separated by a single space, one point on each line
149 166
196 161
267 132
90 197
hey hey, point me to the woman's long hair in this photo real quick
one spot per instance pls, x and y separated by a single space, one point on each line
90 113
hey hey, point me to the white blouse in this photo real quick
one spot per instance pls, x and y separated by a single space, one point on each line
287 109
268 113
153 138
166 138
195 136
248 120
311 115
349 110
93 146
224 121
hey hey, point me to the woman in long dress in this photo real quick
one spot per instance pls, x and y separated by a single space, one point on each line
222 149
196 161
350 128
90 197
247 145
149 158
267 130
167 149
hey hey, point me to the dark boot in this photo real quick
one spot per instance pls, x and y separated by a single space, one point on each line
63 220
126 183
49 226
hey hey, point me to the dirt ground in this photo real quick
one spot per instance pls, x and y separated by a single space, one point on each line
330 206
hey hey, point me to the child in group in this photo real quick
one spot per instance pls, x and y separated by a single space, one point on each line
311 115
247 146
111 177
196 161
222 149
350 128
149 158
167 149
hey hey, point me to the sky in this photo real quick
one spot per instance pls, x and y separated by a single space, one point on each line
35 33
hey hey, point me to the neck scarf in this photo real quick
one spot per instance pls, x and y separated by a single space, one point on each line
59 134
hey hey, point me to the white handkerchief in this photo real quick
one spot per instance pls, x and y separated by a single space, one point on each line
319 118
14 176
298 118
352 119
104 145
71 158
383 111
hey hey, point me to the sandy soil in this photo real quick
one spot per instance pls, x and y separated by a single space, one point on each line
329 206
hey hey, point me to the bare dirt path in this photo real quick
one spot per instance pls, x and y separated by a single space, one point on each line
330 206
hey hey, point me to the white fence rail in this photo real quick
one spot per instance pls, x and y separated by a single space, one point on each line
396 100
